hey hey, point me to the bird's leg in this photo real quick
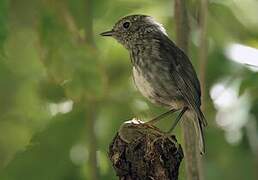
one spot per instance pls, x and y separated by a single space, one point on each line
156 119
177 120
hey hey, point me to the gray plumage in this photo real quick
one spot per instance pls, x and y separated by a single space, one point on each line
162 72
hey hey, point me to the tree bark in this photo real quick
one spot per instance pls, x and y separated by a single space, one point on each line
203 46
203 51
93 105
192 155
91 118
140 152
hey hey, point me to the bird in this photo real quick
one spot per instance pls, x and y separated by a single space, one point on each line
162 72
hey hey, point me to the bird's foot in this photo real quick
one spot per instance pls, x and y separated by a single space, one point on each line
170 136
161 116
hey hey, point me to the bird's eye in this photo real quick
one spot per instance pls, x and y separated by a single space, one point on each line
126 25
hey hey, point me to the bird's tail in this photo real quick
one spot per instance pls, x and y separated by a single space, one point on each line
199 122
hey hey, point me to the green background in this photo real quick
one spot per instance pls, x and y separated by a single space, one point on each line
65 90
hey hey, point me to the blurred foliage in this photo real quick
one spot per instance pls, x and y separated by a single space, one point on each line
62 86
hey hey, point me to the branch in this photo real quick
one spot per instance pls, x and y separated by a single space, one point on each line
91 118
182 25
141 151
203 45
88 27
191 150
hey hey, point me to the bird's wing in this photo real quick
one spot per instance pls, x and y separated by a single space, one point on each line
183 75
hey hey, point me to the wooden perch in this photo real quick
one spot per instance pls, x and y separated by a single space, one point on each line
140 152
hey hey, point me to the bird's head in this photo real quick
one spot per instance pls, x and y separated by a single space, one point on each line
133 29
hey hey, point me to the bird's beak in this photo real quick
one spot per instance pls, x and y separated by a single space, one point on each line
107 33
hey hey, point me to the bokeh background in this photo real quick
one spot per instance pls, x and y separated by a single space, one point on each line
64 90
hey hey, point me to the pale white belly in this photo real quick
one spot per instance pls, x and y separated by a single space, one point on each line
156 94
142 84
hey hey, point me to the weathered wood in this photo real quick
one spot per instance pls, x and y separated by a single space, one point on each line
140 151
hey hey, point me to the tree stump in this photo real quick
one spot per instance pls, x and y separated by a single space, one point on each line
142 152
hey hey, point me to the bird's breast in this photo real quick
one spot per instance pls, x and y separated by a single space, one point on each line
154 81
143 83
